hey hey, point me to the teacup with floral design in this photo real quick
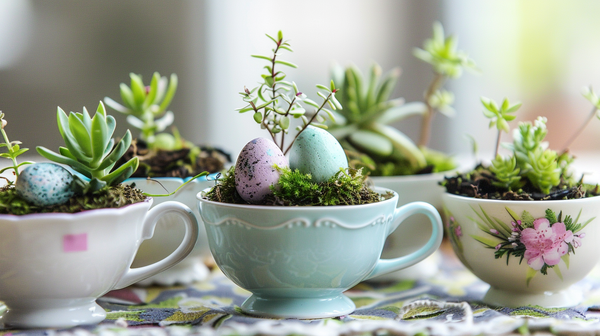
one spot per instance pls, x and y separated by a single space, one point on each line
530 252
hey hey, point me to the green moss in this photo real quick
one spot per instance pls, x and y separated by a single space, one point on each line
347 187
107 197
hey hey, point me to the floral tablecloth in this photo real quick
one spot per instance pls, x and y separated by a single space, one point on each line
446 304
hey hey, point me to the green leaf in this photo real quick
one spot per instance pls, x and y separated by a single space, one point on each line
512 214
150 98
402 143
52 156
80 134
557 271
87 121
487 241
286 63
99 138
127 97
387 85
311 103
530 274
371 142
272 38
117 152
122 173
514 108
169 94
337 104
262 57
567 259
245 109
258 117
138 89
115 106
322 87
279 35
284 122
65 152
401 112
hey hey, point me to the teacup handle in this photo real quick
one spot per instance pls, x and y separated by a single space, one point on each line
384 266
134 275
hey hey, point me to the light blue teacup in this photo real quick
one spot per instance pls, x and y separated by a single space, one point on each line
297 261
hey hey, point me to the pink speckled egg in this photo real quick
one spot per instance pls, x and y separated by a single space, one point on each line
255 171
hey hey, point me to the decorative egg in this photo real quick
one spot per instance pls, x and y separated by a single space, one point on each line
255 171
318 153
45 184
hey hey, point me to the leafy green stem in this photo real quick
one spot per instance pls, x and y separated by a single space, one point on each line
576 134
437 82
10 150
325 101
181 186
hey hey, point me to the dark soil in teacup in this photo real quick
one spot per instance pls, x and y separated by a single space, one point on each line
174 163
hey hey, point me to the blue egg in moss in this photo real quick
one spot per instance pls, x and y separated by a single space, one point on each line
45 184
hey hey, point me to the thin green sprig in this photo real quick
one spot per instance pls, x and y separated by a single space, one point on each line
447 62
13 150
593 98
178 188
273 104
500 116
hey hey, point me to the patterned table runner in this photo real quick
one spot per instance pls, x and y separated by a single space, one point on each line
446 304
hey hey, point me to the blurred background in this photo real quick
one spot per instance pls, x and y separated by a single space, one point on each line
71 54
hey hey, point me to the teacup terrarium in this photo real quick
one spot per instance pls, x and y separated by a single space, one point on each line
298 233
167 163
67 238
524 224
390 157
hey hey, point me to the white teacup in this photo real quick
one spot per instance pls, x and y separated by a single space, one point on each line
54 266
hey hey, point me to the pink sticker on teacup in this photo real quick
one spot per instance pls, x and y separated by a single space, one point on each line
75 242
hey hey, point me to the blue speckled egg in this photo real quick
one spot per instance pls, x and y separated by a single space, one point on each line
318 153
45 184
255 171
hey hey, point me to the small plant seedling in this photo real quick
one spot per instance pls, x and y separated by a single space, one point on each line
276 100
146 107
531 172
14 150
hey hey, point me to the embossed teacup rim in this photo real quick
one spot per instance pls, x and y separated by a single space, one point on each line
540 202
380 190
78 215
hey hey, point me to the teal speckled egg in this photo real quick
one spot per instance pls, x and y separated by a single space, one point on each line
45 184
318 153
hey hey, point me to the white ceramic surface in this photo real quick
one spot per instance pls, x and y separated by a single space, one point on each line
416 230
54 266
169 232
554 255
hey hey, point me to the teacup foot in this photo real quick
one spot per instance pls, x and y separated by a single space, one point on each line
569 297
47 316
300 308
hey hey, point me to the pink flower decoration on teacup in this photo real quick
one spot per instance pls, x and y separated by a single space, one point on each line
545 244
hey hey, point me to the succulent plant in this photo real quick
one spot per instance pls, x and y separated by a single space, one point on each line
499 115
144 106
531 171
90 149
506 172
363 126
13 150
273 104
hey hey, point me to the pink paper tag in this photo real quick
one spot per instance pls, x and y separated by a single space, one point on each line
75 242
